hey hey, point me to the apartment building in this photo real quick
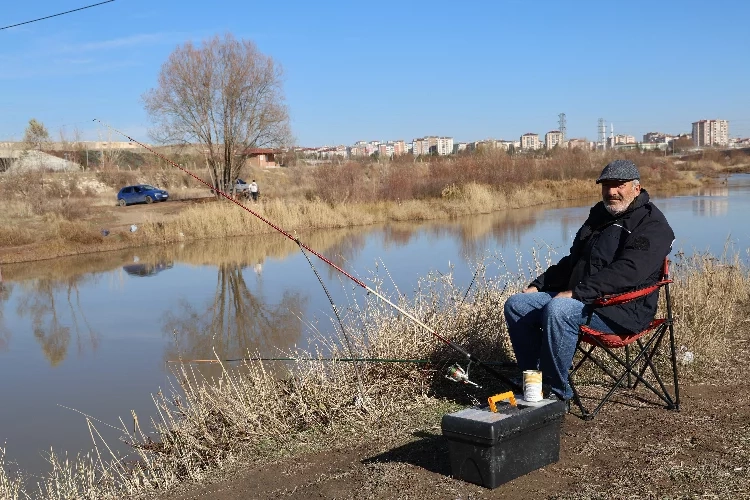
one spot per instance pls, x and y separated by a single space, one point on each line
328 152
444 146
432 144
420 146
580 143
399 147
386 149
530 141
658 137
553 138
711 133
460 147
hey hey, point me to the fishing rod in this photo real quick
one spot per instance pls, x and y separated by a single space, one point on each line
503 364
458 375
333 360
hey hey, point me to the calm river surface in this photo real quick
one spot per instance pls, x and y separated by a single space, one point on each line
93 333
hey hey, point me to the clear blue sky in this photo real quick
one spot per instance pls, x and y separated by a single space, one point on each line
396 70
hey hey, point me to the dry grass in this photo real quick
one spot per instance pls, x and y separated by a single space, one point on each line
12 235
11 486
711 299
302 198
251 412
217 220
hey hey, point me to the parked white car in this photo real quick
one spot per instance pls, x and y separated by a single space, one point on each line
241 187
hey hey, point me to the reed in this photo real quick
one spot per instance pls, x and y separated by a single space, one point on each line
260 410
11 485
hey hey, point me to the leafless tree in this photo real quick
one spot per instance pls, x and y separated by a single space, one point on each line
110 155
226 96
80 149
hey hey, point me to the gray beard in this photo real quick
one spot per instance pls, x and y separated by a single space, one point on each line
612 211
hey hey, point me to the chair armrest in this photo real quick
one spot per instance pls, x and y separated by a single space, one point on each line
622 298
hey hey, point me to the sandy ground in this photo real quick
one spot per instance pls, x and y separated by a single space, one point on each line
631 450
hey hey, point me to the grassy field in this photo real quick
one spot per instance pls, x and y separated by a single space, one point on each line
251 414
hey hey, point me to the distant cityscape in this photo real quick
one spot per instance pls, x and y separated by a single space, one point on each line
705 133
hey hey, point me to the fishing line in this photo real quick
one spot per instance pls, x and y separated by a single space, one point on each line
469 357
357 368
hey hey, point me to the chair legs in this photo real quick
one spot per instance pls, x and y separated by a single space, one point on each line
633 372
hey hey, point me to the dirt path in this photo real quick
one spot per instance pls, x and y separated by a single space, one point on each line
114 217
627 451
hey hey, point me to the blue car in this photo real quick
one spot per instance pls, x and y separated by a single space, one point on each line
142 193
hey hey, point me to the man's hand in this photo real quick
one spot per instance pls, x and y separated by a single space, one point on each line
567 294
531 289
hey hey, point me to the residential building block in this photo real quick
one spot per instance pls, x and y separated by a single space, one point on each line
553 138
530 141
711 133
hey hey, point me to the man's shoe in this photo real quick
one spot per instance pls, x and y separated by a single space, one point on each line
549 393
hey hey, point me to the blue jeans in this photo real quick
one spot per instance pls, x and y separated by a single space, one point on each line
544 333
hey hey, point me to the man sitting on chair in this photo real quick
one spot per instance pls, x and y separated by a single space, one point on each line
621 247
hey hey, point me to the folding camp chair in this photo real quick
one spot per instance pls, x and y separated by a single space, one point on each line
640 349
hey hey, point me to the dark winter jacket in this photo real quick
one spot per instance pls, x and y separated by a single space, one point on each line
613 255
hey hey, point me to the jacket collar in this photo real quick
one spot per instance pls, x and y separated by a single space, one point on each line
601 216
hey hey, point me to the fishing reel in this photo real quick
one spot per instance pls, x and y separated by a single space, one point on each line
457 374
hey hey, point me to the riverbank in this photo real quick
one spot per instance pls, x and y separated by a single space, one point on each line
626 452
107 228
385 417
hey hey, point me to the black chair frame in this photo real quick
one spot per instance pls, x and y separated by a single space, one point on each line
633 367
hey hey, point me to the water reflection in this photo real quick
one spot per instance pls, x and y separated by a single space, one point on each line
147 269
45 302
236 322
5 292
711 202
710 207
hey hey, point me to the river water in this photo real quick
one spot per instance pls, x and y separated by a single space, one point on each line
92 334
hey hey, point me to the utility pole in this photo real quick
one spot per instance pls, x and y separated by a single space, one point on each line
563 127
602 134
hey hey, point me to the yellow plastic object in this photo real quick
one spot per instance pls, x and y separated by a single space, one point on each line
501 397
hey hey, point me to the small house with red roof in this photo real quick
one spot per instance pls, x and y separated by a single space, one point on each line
261 157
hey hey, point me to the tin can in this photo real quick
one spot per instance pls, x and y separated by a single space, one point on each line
532 385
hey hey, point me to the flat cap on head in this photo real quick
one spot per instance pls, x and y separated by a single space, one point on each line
619 170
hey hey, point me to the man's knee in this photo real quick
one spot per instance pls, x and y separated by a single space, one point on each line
563 311
512 303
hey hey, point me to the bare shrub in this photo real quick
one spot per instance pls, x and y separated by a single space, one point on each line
169 177
21 183
401 180
77 232
12 235
116 178
73 208
345 183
